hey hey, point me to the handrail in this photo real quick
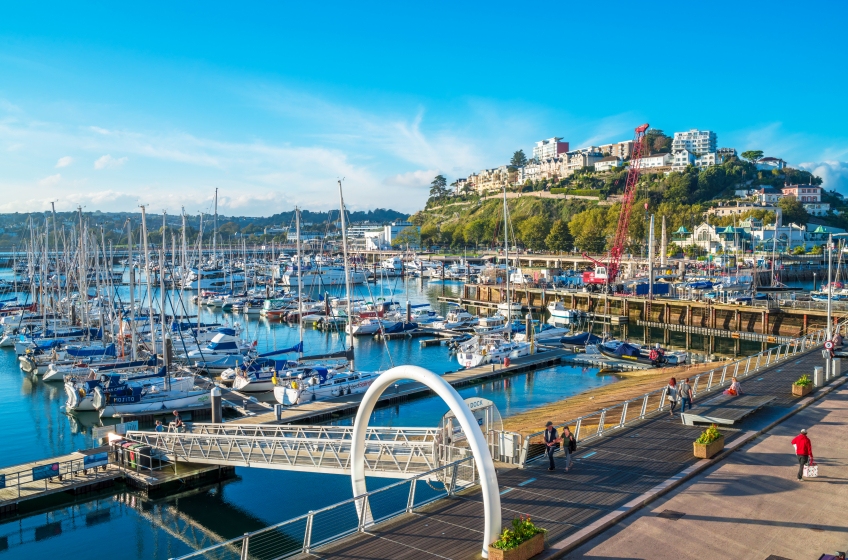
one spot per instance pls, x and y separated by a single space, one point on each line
802 344
363 502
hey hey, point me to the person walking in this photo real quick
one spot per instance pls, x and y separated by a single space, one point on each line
684 393
671 394
804 452
551 444
569 445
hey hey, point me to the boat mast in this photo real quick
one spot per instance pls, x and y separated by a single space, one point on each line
132 289
506 254
183 259
299 281
165 357
346 269
147 276
215 232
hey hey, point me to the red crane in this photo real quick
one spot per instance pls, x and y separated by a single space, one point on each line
607 273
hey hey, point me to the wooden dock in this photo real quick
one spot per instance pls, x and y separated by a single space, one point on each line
348 404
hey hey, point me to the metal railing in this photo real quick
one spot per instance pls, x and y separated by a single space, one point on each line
390 452
26 481
303 534
596 424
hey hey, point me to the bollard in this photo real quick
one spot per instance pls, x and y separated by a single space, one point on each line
216 405
278 412
818 372
836 368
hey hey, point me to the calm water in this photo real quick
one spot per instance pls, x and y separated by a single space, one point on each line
126 526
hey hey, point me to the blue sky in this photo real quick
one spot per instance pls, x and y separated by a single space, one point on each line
110 106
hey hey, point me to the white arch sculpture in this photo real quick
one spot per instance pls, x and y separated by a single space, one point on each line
485 466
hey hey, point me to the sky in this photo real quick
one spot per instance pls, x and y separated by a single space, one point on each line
112 105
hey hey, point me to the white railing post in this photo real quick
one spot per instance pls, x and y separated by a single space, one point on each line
245 544
644 406
410 501
768 358
623 414
695 384
307 534
662 398
453 480
363 514
600 431
577 429
747 365
710 380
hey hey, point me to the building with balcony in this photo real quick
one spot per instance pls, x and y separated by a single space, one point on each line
696 141
656 160
494 179
770 163
552 147
619 149
804 193
579 159
608 162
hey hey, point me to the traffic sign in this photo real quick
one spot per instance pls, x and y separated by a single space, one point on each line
829 345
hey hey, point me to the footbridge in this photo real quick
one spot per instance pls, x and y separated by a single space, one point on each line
389 452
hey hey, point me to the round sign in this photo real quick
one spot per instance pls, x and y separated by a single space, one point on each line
829 344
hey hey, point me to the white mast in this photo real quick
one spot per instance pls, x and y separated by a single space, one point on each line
299 281
215 232
506 254
132 290
147 276
346 269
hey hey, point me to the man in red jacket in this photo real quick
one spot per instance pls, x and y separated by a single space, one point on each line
804 451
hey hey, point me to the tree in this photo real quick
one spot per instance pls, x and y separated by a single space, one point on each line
518 159
533 231
439 187
799 250
467 188
792 210
560 239
752 155
817 250
407 237
657 141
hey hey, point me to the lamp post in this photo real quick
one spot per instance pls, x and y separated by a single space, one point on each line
828 333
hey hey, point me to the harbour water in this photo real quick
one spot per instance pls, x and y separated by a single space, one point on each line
122 523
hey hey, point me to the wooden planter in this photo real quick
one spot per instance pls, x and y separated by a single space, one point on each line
707 450
801 390
524 551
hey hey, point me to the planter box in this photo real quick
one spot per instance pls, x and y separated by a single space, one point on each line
800 391
524 551
707 450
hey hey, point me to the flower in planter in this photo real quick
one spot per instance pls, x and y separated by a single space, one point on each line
710 435
804 381
522 530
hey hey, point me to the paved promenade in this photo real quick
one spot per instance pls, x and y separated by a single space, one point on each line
613 476
750 505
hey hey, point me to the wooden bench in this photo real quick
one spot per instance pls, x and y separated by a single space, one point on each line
725 409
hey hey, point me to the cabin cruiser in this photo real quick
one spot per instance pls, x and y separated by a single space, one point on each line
456 318
635 353
213 280
561 313
482 350
134 399
324 276
319 383
496 323
80 390
39 363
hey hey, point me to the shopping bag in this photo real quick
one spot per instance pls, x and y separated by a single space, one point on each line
811 470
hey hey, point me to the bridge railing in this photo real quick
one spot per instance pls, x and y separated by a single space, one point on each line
596 424
388 451
305 533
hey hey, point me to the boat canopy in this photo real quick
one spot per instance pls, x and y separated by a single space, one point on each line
296 348
90 351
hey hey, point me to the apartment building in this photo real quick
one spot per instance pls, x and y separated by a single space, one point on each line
770 163
552 147
494 179
656 160
579 159
530 172
696 141
459 187
804 193
607 163
621 150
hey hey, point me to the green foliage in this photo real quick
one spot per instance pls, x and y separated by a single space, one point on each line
657 141
799 250
817 250
588 229
709 435
752 155
518 159
674 249
439 188
533 232
560 239
804 381
407 237
522 530
793 210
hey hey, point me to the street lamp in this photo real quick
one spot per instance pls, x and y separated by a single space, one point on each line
829 335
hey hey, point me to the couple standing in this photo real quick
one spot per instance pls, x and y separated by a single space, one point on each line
552 441
679 392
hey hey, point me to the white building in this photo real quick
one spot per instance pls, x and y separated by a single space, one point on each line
549 148
291 237
695 141
579 159
530 172
619 149
608 163
656 160
769 163
682 159
817 208
460 185
768 196
391 231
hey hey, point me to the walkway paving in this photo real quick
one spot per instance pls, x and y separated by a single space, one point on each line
750 505
612 475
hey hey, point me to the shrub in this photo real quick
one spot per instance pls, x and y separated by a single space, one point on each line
522 530
710 435
804 381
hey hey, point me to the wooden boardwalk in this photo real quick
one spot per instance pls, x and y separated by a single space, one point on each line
322 410
608 473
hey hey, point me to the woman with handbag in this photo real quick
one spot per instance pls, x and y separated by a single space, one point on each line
569 446
671 394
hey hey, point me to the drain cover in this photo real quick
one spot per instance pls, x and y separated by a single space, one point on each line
668 514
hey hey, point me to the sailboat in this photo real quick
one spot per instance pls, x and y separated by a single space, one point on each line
496 348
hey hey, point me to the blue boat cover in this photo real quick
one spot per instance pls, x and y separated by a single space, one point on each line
89 351
296 348
582 338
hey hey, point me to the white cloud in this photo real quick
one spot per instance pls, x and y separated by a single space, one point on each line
50 180
107 161
412 179
64 161
834 174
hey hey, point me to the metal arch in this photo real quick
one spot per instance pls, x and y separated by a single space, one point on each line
485 465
